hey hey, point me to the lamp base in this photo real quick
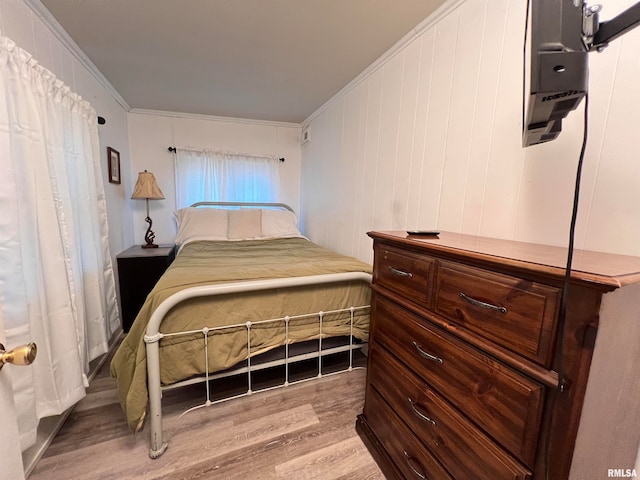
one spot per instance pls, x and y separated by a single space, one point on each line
149 236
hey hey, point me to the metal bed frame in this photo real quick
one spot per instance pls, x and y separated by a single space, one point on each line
153 336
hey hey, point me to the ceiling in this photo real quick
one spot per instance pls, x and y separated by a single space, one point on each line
276 60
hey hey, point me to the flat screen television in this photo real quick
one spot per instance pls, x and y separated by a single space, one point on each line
561 35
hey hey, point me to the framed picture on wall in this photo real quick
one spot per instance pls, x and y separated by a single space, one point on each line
114 165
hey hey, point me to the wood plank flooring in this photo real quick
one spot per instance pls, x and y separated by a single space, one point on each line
305 431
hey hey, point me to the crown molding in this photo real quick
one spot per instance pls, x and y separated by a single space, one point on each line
198 116
60 33
441 12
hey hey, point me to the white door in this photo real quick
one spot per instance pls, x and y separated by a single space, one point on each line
10 455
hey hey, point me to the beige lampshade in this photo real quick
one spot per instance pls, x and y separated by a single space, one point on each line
147 187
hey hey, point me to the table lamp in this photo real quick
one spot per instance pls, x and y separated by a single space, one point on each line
147 188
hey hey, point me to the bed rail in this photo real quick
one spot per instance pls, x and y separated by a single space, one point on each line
243 204
153 335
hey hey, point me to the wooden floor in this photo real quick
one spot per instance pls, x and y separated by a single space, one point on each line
305 431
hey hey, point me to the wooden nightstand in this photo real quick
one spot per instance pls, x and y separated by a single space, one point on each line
138 271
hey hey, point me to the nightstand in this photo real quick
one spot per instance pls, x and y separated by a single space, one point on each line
138 271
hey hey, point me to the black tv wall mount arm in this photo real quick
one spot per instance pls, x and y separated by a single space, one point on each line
598 38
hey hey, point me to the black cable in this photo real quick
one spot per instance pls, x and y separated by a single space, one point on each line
572 230
563 384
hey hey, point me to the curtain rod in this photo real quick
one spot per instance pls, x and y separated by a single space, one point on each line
174 150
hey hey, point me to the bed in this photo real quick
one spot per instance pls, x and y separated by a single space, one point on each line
244 284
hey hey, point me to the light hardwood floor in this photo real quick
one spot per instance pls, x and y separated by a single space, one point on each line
305 431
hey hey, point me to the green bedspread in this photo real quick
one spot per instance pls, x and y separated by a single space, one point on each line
202 263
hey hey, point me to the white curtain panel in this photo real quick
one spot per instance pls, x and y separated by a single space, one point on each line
203 175
56 279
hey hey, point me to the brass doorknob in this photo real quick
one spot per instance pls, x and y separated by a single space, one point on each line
24 355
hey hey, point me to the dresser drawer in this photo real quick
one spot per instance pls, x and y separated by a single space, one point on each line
519 315
409 455
407 274
504 403
462 448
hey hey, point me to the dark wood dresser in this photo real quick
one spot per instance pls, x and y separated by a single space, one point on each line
466 354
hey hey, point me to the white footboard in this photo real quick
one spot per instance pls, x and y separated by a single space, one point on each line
153 335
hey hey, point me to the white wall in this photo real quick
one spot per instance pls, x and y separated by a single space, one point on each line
430 137
151 133
25 27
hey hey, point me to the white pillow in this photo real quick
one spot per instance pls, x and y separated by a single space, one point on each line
279 223
201 224
245 224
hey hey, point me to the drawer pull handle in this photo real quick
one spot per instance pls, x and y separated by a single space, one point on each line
420 414
427 355
400 273
417 469
480 304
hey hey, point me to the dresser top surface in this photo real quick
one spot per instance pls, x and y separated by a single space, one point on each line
603 268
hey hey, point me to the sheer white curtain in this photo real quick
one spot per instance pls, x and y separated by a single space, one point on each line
56 278
224 177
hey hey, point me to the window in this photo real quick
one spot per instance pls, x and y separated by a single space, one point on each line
224 177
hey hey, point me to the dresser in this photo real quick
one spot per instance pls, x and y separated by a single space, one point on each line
474 374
